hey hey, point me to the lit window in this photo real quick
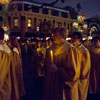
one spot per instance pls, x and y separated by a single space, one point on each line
29 22
16 22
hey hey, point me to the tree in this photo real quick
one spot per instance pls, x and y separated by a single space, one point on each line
72 11
79 7
51 4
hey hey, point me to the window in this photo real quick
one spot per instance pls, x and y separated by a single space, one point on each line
45 11
16 22
54 12
35 9
29 22
26 7
59 24
65 15
19 7
68 26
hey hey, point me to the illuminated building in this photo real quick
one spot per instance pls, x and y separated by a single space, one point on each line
24 17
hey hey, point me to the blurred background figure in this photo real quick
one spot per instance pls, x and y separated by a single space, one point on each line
17 61
83 82
94 87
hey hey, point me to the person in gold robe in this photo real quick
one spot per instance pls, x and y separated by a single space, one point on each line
83 82
8 85
17 62
61 63
94 86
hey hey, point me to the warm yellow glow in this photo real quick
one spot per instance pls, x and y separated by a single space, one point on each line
16 22
22 43
38 28
90 37
4 1
51 54
68 38
29 22
6 37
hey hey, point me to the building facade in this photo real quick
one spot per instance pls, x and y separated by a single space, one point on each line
27 18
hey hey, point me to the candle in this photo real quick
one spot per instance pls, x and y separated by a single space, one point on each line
51 54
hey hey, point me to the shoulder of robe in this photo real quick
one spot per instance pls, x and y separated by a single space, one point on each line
15 50
69 45
83 48
65 48
5 48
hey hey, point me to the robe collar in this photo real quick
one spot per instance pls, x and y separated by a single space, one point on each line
16 50
82 47
5 48
65 47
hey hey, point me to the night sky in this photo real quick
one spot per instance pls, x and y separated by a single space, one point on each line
89 7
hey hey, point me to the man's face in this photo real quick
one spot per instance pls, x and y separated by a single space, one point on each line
75 40
57 38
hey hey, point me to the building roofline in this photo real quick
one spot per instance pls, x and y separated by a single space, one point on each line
39 4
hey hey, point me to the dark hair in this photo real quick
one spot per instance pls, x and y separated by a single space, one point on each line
50 39
78 34
60 31
1 33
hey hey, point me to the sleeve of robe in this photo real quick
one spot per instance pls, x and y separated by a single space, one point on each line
19 73
86 65
70 73
84 75
5 77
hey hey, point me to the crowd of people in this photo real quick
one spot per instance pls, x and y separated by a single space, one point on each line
69 69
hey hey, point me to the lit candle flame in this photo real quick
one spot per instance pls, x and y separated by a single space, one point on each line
51 53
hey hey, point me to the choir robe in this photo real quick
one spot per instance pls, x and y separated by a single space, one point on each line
17 62
94 86
83 82
8 85
60 81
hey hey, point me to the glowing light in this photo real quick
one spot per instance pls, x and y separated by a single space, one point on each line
38 28
85 26
90 37
51 54
75 24
80 18
22 43
80 30
6 37
18 38
93 29
4 1
29 22
68 38
5 28
47 38
83 38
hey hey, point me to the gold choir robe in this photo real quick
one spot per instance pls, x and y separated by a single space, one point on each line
61 76
94 86
8 86
83 82
17 62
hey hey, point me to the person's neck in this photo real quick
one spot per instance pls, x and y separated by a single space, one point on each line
62 42
77 44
